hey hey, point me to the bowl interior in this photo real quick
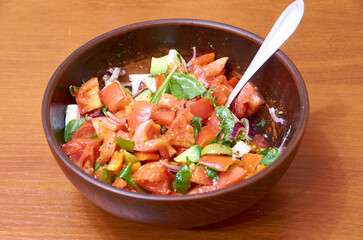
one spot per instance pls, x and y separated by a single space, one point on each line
131 47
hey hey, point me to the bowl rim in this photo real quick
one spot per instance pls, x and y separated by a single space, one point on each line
55 146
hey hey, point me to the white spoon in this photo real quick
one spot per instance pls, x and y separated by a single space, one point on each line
280 32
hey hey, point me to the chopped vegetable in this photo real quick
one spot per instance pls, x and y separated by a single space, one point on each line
128 145
71 127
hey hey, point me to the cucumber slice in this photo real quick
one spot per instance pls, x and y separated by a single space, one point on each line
193 154
217 148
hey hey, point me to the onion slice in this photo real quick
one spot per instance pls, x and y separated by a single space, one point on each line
236 129
274 117
113 117
115 74
171 167
194 56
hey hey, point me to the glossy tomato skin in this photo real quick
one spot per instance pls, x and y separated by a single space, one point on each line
108 148
202 108
83 151
86 130
141 112
204 59
181 133
87 97
114 97
105 125
200 176
248 101
168 101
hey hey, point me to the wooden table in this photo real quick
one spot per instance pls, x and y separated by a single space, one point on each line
321 195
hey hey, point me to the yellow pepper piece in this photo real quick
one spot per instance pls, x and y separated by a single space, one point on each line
116 162
136 166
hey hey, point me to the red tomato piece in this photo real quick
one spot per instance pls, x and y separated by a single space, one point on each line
108 148
119 183
215 68
86 130
87 97
234 175
248 101
168 101
214 122
202 108
152 172
104 125
203 189
233 81
205 136
141 112
114 97
250 161
83 151
218 162
200 176
161 187
163 117
124 135
203 59
181 133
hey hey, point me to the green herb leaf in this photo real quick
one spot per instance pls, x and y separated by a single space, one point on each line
105 176
104 110
71 127
182 182
197 125
226 118
161 89
262 123
212 174
185 86
96 166
269 156
125 174
208 95
95 136
128 145
73 90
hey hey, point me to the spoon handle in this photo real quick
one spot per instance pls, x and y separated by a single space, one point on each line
280 32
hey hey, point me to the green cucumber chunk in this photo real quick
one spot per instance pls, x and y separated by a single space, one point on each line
158 65
217 148
146 95
193 154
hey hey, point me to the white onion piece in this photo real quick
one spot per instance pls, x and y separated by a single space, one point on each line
281 148
115 74
126 84
194 56
173 168
113 117
274 117
123 72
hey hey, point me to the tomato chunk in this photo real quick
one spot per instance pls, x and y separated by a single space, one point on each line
218 162
206 135
168 101
86 130
204 59
200 176
152 172
181 133
114 97
202 108
141 112
234 175
82 151
163 118
248 101
250 161
87 97
104 125
108 148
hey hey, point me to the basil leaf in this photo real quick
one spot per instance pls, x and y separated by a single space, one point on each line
197 125
182 182
125 174
185 86
262 123
212 174
97 166
269 156
162 88
71 127
95 136
105 176
128 145
226 118
104 110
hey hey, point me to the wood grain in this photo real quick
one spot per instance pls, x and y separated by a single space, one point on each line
321 195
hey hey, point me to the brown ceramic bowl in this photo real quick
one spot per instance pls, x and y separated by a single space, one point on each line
278 80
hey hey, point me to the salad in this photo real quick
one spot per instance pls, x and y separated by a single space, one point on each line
167 132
